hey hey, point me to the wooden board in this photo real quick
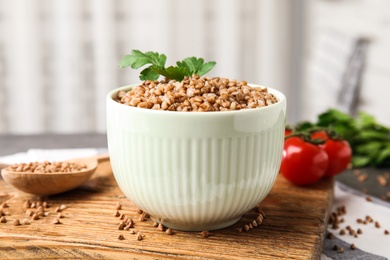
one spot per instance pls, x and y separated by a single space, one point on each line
293 228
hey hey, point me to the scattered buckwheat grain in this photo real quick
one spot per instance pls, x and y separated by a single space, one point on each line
25 221
205 234
259 219
139 236
130 225
160 227
381 180
130 221
26 204
246 228
142 217
56 221
121 225
363 177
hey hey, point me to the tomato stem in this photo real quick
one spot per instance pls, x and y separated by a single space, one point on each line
306 136
329 132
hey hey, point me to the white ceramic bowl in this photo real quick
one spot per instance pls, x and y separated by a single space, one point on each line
195 171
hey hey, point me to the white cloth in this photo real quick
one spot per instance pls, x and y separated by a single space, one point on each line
373 243
40 155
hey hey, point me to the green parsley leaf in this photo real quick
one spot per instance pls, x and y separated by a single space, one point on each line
360 161
196 65
186 67
369 148
384 156
149 73
171 72
137 59
368 135
206 68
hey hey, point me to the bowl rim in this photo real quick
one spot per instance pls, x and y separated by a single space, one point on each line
279 95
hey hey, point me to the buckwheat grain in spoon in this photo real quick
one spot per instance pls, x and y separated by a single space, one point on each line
48 178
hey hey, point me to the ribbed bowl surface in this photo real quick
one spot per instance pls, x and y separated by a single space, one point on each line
191 170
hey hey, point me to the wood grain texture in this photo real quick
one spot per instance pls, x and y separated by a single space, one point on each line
294 226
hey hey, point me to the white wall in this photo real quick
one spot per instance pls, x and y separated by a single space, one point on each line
353 18
58 58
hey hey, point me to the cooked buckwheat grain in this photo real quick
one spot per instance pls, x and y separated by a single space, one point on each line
200 94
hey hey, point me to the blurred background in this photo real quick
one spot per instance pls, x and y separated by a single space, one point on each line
59 58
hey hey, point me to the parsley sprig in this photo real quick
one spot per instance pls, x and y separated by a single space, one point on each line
186 67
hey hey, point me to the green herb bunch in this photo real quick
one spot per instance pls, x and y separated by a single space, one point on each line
369 140
156 68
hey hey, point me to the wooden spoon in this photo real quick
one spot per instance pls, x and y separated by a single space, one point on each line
52 183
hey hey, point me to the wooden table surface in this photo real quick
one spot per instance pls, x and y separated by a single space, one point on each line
293 228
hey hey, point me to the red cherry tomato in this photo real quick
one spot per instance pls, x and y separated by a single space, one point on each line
303 163
288 130
339 153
